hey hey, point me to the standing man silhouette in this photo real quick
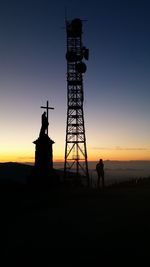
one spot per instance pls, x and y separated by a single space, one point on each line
100 172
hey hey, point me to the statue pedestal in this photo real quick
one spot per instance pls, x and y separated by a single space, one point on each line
43 157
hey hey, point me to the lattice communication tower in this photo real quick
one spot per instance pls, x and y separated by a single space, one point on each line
75 148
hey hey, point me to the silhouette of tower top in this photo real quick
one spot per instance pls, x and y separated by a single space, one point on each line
75 148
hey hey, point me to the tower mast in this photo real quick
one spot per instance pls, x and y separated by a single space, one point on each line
75 147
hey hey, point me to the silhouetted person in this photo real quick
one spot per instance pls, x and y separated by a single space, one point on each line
45 124
100 172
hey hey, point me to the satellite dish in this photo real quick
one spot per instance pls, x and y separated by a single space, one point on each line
76 28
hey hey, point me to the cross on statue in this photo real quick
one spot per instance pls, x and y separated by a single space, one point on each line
47 108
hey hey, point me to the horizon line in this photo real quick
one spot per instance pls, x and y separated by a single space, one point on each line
55 162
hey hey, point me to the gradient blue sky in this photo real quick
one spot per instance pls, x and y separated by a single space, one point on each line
116 84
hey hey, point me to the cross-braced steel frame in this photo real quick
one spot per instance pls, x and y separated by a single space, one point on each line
75 147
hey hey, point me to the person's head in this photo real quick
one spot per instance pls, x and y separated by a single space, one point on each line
100 160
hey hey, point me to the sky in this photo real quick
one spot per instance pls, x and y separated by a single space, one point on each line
116 85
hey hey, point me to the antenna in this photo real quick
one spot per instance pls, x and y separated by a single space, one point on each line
75 148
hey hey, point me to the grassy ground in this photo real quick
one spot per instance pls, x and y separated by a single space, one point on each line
59 222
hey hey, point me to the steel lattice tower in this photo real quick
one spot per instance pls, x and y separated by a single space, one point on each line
75 148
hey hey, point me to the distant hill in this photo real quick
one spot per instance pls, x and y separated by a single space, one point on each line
16 172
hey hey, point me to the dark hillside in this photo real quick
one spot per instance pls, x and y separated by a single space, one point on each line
75 222
16 172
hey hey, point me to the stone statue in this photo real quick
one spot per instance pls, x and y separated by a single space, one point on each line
44 125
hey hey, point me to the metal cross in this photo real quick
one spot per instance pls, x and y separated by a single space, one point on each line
47 108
